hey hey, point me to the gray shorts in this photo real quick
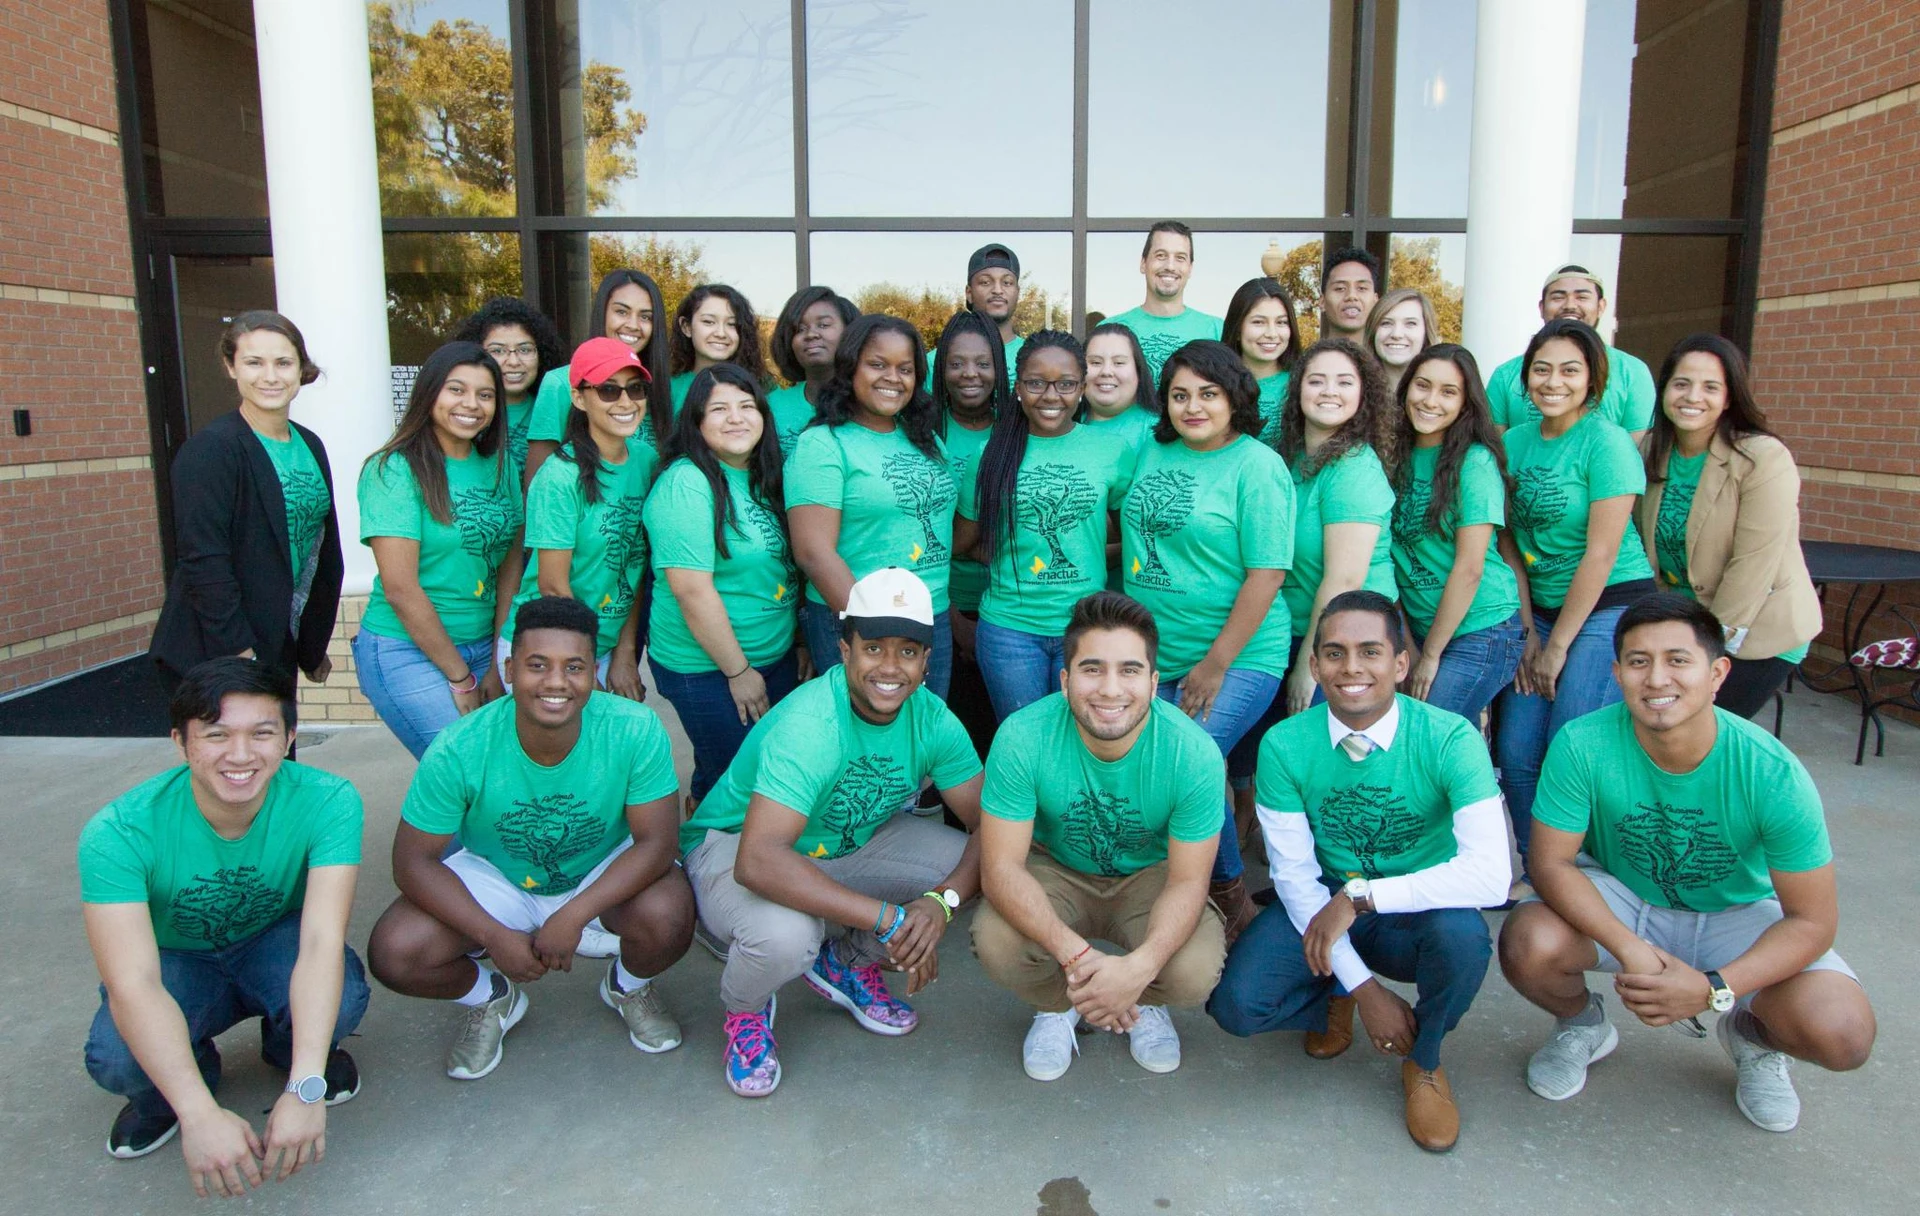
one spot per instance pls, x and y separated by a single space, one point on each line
1705 941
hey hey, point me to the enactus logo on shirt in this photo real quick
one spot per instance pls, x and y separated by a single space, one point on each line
1158 506
925 491
1053 500
1538 504
867 793
626 549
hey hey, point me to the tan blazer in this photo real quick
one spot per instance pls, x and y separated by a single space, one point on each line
1743 544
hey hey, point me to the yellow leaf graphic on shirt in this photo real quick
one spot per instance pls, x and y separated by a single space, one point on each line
528 882
917 551
779 592
479 588
1529 558
1038 565
1136 565
819 850
606 600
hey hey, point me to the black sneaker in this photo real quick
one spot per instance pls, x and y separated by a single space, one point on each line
343 1077
134 1136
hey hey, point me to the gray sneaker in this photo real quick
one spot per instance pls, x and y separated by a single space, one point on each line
1154 1042
1763 1090
710 941
1559 1070
477 1051
1050 1046
649 1026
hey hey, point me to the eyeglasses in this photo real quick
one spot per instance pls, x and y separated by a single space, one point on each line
1038 387
636 390
526 350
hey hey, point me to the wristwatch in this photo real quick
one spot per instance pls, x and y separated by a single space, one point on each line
947 898
308 1089
1719 996
1359 891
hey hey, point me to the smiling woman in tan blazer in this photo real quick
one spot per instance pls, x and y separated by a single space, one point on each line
1721 517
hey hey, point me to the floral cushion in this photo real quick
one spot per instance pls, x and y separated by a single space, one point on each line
1891 652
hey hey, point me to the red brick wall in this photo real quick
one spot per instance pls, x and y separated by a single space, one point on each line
80 552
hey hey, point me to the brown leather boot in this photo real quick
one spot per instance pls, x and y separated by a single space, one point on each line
1432 1119
1338 1036
1231 901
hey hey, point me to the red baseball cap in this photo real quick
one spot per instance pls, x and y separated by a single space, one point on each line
599 358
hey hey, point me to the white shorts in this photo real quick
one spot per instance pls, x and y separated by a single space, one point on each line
503 650
517 909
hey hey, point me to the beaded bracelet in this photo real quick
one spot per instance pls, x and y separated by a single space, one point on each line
1084 951
899 918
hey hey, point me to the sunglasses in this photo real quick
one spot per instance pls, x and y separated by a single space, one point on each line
636 391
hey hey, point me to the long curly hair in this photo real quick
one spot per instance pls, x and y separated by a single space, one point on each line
748 354
920 419
1473 425
1372 424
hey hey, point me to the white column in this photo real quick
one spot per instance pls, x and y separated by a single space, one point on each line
1526 126
323 194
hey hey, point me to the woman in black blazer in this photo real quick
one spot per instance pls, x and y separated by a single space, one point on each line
257 564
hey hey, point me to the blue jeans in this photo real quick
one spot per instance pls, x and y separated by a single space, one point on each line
708 715
1475 667
1527 724
1245 756
1019 668
217 990
1267 985
820 625
1244 696
408 692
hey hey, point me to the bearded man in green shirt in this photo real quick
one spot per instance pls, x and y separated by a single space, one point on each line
1578 293
1684 850
1163 323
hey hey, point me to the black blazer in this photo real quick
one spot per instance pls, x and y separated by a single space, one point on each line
232 586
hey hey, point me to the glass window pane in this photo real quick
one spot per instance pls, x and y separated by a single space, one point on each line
759 264
1221 262
206 155
674 108
922 275
1606 86
1432 107
1239 87
436 279
443 106
895 90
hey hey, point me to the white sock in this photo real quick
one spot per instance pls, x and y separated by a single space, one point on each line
482 990
627 980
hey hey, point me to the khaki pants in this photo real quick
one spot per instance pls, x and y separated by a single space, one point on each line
1116 910
772 943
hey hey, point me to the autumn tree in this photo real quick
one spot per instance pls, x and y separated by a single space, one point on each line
1413 262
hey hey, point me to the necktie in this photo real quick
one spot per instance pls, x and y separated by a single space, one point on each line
1357 746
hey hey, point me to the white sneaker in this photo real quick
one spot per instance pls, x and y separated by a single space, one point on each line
596 942
1763 1091
1050 1046
1154 1042
1559 1069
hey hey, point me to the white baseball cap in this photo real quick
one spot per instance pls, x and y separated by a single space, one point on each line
891 603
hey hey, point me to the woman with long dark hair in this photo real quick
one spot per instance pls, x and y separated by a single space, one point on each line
257 563
627 308
440 508
713 325
1120 394
584 511
1450 501
521 339
1720 520
804 339
1039 513
1575 476
1262 328
725 599
1206 541
869 486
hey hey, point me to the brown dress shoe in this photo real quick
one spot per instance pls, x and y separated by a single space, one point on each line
1432 1119
1338 1036
1236 908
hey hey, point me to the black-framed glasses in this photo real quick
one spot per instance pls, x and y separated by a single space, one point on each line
526 350
636 390
1037 387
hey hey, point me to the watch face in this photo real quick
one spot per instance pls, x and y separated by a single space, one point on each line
1722 1000
950 897
311 1089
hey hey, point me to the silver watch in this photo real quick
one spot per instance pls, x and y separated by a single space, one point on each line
308 1089
1357 890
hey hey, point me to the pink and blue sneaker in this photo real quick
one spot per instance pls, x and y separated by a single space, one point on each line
753 1059
862 992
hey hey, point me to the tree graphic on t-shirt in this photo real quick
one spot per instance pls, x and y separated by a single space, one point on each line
1158 506
1158 348
517 443
868 791
1055 498
1370 822
1675 847
774 538
1538 500
486 527
1105 828
626 549
227 906
1409 526
923 490
306 497
546 833
1670 530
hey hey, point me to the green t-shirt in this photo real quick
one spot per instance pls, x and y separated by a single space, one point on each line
1352 490
1134 424
1389 814
1273 395
791 414
896 505
519 418
305 492
554 402
609 547
1192 525
1098 816
1058 553
1423 557
544 828
152 846
1627 403
460 559
969 578
756 581
677 387
1700 841
1161 336
1555 482
1670 529
814 755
